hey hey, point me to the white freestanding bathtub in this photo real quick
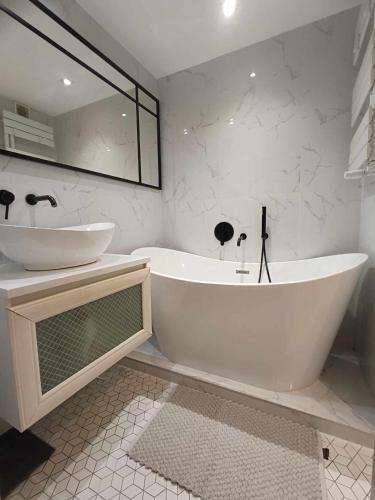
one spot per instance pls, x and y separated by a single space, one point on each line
275 336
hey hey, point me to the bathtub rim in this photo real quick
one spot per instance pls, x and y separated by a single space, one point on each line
364 258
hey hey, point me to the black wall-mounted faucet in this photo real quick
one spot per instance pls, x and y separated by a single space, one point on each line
32 199
242 237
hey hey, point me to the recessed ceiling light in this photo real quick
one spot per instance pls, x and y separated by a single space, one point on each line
123 114
229 7
185 131
67 82
253 74
108 149
231 121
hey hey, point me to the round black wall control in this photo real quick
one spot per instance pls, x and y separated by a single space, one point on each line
224 232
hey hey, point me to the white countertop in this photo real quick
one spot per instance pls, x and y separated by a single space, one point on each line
15 281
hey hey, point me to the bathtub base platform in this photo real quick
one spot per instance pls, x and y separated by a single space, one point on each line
316 405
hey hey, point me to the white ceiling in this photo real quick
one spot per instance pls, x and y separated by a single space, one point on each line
167 36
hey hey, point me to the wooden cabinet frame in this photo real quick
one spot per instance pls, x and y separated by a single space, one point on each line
22 319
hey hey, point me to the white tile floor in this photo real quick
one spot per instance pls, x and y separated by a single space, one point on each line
93 430
349 469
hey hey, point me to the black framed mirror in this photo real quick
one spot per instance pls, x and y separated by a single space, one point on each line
64 103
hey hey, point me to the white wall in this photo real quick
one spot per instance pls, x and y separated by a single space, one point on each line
82 198
287 147
367 299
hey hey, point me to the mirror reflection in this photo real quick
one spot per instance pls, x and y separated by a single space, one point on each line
147 101
149 147
54 109
100 136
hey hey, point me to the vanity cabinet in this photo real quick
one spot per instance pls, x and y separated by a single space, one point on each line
58 342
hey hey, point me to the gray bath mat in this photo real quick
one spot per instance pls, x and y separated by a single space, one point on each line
220 450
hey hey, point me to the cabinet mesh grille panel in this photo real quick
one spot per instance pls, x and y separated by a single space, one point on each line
72 340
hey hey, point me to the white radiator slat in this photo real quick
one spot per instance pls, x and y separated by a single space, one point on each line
371 141
362 145
29 137
360 161
363 21
359 143
364 81
16 126
27 128
27 121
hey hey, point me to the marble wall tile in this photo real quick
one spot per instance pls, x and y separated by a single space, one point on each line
82 198
232 144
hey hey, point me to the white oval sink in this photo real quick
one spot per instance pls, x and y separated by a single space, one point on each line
42 249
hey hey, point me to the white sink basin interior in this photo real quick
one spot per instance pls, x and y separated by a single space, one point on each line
42 249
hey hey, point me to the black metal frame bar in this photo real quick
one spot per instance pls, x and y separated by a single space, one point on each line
137 85
139 138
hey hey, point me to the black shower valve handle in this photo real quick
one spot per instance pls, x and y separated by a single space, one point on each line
224 232
6 199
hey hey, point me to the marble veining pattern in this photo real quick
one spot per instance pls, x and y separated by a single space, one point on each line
232 143
93 430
